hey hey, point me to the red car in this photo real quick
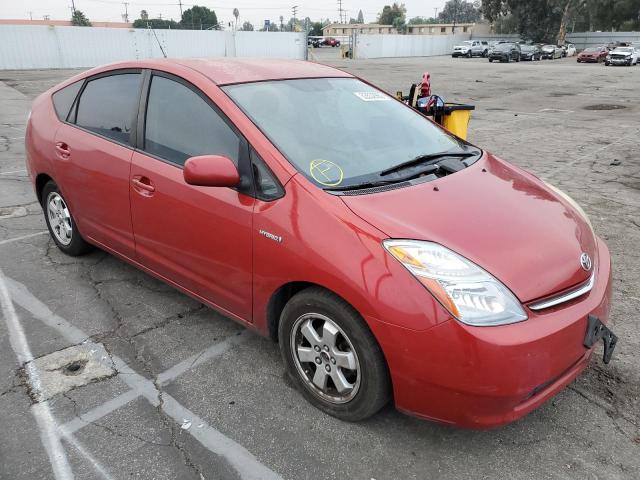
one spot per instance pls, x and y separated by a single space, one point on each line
389 258
593 55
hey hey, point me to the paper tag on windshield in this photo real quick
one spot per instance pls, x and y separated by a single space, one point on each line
372 96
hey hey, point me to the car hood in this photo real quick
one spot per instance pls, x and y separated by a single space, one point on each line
500 217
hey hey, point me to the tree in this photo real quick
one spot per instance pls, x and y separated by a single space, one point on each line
247 27
156 24
352 21
79 19
421 20
236 13
460 11
316 29
199 18
390 13
144 15
400 25
360 18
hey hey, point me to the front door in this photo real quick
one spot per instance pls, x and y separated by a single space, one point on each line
198 237
94 153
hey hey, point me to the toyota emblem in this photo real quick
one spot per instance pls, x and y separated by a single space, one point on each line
585 261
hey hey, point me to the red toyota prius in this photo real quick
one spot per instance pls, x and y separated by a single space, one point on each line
389 258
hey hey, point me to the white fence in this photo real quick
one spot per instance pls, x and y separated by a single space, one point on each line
381 46
39 46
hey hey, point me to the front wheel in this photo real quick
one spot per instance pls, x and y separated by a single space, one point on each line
330 353
62 227
490 60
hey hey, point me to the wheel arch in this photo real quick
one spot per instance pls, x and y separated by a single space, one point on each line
41 180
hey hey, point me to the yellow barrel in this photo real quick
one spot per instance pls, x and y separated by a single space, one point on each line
456 119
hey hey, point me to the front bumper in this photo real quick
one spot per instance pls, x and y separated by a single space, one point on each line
620 61
485 377
588 59
459 54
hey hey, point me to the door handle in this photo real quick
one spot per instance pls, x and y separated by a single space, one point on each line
63 150
143 185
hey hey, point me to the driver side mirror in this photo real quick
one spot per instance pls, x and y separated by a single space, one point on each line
211 171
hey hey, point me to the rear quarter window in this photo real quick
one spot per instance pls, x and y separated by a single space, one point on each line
63 99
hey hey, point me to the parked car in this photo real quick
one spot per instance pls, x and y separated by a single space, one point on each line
551 52
530 52
359 250
568 50
505 52
593 54
622 56
314 42
471 48
330 42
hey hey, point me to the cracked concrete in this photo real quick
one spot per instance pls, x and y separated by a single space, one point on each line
532 115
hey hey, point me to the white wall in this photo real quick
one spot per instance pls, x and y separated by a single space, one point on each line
40 46
381 46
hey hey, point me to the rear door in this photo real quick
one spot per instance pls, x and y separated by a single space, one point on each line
197 237
94 150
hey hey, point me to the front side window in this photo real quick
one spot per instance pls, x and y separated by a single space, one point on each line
108 104
339 131
180 124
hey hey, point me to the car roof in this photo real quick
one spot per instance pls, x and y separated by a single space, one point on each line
224 71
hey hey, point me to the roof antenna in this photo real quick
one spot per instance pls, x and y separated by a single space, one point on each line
157 40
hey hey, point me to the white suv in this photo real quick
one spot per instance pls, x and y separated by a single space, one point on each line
471 48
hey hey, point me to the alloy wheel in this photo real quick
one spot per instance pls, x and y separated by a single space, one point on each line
59 218
325 358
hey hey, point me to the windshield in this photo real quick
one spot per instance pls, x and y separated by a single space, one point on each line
623 50
339 131
503 47
591 49
527 48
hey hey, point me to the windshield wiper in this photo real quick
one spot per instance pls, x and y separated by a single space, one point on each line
379 183
426 158
358 186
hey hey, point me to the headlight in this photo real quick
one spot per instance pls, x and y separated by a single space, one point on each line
572 202
468 292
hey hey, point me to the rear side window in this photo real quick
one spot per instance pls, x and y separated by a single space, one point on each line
180 124
63 99
107 106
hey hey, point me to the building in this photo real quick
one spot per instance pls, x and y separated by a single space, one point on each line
341 29
63 23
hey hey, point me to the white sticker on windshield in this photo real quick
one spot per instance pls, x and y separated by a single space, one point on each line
372 96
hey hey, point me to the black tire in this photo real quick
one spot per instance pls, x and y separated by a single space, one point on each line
374 387
490 60
469 54
508 58
77 245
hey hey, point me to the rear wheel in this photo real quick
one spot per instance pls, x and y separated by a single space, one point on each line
331 354
60 222
469 54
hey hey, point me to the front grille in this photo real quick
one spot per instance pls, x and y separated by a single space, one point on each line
567 295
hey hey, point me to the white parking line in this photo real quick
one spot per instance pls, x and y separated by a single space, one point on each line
40 411
24 237
246 465
165 377
14 172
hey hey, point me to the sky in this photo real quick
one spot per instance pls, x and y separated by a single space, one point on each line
254 11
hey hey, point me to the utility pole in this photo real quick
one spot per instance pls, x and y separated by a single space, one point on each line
180 4
294 11
30 15
125 17
435 16
340 10
73 6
